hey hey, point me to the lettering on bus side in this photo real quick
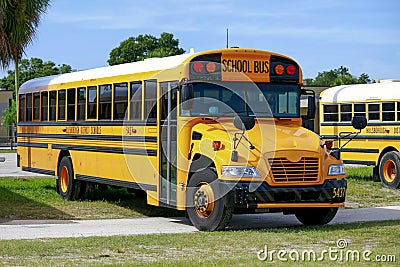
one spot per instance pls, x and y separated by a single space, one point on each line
377 130
245 66
130 130
85 130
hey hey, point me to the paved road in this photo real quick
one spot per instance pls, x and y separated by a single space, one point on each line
17 229
8 166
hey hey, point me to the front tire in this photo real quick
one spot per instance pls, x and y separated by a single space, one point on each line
389 169
67 186
207 209
315 216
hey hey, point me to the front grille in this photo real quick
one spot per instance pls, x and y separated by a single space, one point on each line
285 171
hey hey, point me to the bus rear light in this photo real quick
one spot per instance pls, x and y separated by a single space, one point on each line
290 70
279 69
211 67
198 67
217 145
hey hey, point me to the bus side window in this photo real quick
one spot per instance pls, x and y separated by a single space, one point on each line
345 112
44 105
359 109
331 112
36 106
21 108
150 100
53 102
374 111
398 111
388 111
29 107
105 102
120 100
81 103
136 101
61 104
71 104
92 102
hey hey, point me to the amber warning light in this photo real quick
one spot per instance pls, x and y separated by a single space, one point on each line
280 69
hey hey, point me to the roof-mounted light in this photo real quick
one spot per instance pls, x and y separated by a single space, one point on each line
198 67
279 69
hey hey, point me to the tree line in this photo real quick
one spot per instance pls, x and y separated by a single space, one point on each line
135 48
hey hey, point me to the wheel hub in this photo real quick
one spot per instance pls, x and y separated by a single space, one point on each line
204 201
390 171
64 179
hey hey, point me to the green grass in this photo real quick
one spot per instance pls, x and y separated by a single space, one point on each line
5 150
362 192
36 198
225 248
359 173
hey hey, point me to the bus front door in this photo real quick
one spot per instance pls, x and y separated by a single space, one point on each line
168 137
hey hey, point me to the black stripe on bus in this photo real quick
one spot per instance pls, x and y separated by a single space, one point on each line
126 184
37 170
26 144
383 123
87 123
360 150
360 162
366 137
130 151
92 137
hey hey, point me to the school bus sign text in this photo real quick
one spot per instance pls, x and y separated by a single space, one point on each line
236 67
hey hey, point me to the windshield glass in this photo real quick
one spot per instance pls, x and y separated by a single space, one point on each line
245 99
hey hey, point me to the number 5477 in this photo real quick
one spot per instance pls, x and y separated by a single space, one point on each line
339 192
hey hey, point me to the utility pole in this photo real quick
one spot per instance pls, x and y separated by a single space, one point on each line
227 38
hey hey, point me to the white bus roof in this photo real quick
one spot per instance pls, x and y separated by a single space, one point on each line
361 92
151 64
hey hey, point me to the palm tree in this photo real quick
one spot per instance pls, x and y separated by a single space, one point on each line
18 22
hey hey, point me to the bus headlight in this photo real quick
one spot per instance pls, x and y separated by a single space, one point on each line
239 171
336 169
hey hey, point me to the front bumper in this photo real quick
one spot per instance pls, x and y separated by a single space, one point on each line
241 195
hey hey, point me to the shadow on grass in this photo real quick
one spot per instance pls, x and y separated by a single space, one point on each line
14 206
37 199
133 201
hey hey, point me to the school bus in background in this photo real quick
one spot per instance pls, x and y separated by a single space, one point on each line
166 126
378 144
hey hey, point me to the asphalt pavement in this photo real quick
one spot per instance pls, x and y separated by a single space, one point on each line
8 167
22 229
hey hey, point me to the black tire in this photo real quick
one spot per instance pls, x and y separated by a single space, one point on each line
315 216
389 169
67 186
207 215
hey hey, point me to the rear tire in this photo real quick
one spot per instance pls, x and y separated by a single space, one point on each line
389 169
67 186
315 216
207 209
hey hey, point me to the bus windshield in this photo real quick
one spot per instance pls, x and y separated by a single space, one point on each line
227 99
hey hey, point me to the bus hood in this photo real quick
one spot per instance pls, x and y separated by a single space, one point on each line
267 138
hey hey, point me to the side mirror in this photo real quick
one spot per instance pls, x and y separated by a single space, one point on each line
311 107
187 93
244 123
359 122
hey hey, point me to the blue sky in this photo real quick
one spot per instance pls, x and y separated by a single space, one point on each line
363 35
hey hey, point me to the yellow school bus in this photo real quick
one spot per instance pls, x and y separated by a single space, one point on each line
213 133
378 144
